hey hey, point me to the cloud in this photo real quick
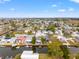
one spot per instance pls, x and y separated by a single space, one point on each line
66 10
76 1
12 9
71 9
7 0
3 1
54 5
62 10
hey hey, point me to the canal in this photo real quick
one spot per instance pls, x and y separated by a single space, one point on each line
7 51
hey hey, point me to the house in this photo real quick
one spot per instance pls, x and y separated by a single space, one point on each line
12 40
42 33
39 33
29 38
50 32
59 24
62 39
23 38
38 41
75 34
58 32
29 55
26 31
8 41
77 39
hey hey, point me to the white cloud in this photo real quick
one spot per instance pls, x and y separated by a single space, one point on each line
12 9
62 10
71 9
76 1
54 5
3 1
7 0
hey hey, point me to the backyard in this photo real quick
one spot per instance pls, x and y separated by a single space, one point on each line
44 56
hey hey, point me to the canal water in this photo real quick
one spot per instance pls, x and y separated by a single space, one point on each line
74 50
8 52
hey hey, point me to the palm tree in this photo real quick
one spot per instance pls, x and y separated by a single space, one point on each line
33 42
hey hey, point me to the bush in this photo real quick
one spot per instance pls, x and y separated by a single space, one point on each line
17 56
77 56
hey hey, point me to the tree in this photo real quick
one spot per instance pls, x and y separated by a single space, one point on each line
43 40
12 34
78 25
65 51
51 27
54 49
7 36
35 28
29 32
24 25
33 40
13 24
77 56
78 29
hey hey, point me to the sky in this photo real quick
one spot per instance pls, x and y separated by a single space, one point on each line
39 8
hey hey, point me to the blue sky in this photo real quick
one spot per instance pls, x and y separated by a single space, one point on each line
39 8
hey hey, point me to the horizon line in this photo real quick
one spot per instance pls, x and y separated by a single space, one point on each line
39 17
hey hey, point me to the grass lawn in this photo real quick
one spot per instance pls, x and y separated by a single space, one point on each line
44 56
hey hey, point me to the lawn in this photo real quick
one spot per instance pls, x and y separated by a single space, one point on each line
44 56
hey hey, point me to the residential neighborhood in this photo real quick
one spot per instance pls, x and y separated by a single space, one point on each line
37 34
39 29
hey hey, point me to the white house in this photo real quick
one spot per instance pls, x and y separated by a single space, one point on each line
40 33
29 55
11 40
58 32
62 38
75 34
